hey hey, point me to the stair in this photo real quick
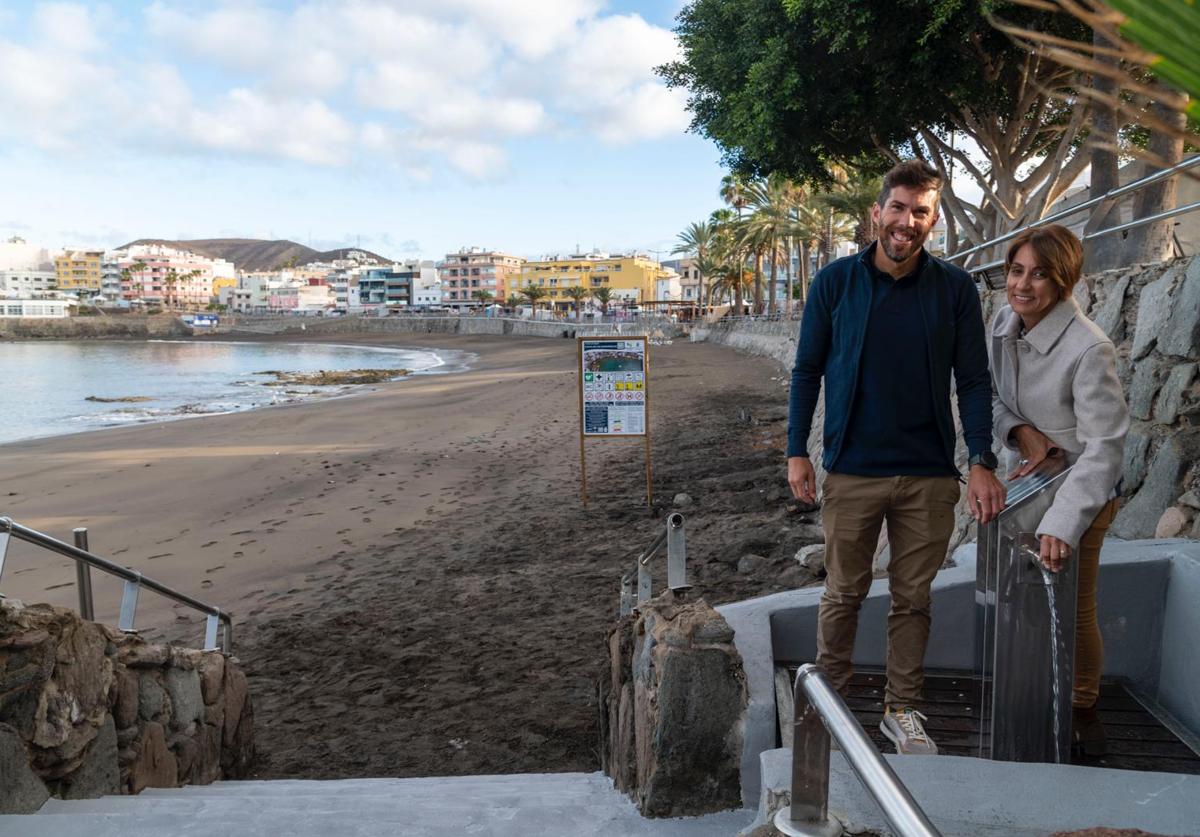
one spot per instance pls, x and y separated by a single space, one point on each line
530 805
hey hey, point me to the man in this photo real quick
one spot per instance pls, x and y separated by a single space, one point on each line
886 329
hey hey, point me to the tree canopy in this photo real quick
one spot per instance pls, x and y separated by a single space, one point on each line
791 86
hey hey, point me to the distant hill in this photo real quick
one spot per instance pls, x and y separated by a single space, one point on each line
254 254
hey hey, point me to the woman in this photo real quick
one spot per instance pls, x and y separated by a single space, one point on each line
1055 391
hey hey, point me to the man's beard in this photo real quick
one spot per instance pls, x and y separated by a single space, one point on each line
890 246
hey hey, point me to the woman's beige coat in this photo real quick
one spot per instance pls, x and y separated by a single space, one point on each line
1061 377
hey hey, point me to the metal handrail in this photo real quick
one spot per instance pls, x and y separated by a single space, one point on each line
820 712
1112 194
673 536
133 579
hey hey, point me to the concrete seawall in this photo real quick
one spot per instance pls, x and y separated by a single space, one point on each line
775 339
441 325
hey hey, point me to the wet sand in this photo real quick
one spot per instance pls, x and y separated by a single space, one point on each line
415 587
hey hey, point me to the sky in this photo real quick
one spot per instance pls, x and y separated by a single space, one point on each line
407 127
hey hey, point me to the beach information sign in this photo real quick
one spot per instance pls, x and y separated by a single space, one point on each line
614 387
613 395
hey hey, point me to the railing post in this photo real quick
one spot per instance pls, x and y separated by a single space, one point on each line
676 553
129 599
4 538
808 815
643 582
83 578
626 595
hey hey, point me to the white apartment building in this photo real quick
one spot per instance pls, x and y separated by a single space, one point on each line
667 288
55 309
18 254
24 282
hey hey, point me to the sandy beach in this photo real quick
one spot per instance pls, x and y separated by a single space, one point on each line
415 587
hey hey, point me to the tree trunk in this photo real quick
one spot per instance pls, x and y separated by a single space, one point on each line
771 284
787 272
757 290
803 273
1155 242
1103 253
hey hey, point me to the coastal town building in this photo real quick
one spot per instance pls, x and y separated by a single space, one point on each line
18 254
297 298
42 308
110 278
473 269
390 288
154 274
79 271
632 279
27 283
689 278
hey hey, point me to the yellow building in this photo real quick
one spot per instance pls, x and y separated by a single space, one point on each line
79 270
220 282
630 278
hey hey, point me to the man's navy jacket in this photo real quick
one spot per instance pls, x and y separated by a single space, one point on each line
830 345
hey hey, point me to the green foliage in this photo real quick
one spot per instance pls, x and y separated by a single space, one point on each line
1170 29
792 86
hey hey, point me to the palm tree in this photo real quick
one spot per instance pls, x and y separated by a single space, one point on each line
729 251
578 294
534 294
483 295
603 295
696 241
853 194
769 226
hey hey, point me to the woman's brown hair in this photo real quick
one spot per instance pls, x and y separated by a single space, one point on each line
1058 252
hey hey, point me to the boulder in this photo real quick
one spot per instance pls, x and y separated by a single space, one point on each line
812 558
1171 394
1180 335
99 773
212 676
682 501
1154 310
21 791
687 701
1109 315
152 698
750 564
187 703
1171 524
1139 517
125 708
153 766
1143 387
1134 462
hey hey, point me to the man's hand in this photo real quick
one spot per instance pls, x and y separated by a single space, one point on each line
985 494
1035 448
802 478
1054 553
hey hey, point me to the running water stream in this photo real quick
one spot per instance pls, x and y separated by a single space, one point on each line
1048 582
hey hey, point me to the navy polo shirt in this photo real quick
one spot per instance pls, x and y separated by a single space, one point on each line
893 426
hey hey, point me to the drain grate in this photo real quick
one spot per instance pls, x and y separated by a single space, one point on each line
1137 739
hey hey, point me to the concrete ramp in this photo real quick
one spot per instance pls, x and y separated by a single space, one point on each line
577 804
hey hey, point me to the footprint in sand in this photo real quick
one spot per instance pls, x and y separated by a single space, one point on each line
160 555
58 586
238 554
214 569
247 543
210 543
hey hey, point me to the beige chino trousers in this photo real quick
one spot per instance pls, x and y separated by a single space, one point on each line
920 517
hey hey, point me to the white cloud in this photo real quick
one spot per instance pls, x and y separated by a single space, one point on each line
423 84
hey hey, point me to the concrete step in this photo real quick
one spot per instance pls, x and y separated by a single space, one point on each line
577 804
574 821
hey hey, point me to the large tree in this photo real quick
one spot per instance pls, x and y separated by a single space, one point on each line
794 85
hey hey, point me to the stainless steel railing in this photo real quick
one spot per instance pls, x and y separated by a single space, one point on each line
820 713
987 271
134 582
673 536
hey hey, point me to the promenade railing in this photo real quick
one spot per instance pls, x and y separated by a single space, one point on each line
821 713
991 273
214 639
673 537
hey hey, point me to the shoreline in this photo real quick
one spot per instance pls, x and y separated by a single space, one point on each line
446 362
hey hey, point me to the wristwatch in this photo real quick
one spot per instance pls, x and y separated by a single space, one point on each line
987 459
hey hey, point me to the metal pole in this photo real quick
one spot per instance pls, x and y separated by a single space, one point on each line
83 577
1073 210
821 712
676 553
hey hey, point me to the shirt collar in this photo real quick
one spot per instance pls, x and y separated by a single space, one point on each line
867 257
1046 333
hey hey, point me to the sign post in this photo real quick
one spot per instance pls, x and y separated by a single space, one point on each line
614 396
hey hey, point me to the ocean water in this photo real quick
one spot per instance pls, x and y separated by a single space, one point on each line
45 384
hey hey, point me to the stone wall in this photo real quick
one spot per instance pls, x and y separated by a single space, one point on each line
87 711
102 327
498 326
671 707
1152 314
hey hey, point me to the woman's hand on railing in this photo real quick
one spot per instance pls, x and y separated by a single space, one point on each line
1035 448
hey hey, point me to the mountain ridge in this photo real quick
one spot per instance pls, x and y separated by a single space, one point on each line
255 254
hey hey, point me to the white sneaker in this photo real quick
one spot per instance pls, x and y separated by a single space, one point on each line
904 729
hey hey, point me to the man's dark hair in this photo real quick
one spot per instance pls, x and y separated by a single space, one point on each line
912 174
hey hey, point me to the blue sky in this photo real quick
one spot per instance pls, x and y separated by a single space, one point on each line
410 127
